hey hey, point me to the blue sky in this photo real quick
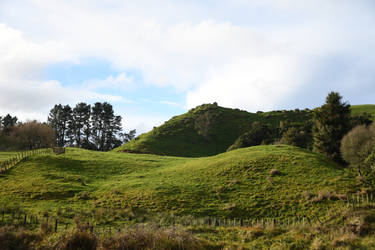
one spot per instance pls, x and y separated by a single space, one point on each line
156 59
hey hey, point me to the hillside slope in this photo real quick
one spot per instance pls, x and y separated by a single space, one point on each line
366 108
210 129
242 183
205 130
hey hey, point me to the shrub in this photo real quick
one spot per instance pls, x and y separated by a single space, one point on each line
84 195
9 239
258 134
296 137
357 145
275 172
77 240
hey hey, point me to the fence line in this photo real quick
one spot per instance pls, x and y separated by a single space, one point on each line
56 224
14 160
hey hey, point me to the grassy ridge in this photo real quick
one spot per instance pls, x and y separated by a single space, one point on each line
210 129
233 184
205 130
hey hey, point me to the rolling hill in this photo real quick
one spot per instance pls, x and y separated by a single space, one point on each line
210 129
205 130
257 182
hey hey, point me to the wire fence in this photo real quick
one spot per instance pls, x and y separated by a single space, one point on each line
49 223
19 156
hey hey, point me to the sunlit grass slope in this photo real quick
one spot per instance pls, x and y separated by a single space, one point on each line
367 108
233 184
206 130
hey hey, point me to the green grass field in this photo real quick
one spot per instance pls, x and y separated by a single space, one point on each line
237 184
6 155
366 108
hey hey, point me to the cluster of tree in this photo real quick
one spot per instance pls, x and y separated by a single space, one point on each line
16 135
296 134
323 133
85 126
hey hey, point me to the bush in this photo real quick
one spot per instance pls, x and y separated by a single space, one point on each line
258 134
357 145
77 240
275 172
296 137
16 240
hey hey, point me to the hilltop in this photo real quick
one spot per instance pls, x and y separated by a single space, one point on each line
206 130
210 129
256 182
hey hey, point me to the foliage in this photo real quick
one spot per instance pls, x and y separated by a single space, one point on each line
33 134
59 119
257 135
87 127
28 135
331 123
296 136
7 124
357 145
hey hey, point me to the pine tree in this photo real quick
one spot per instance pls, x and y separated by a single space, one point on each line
331 123
80 125
8 123
59 119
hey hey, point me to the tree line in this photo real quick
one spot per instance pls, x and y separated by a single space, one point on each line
93 127
15 135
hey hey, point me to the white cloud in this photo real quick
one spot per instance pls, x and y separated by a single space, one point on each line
23 92
256 83
142 123
120 81
264 55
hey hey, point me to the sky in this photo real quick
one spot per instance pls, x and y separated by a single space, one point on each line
156 59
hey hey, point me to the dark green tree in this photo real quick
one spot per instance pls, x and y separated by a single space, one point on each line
331 123
80 127
59 119
111 126
8 123
126 137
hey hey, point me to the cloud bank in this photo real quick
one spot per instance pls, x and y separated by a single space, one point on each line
253 55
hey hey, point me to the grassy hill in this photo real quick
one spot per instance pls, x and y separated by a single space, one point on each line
210 129
205 130
257 182
366 108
